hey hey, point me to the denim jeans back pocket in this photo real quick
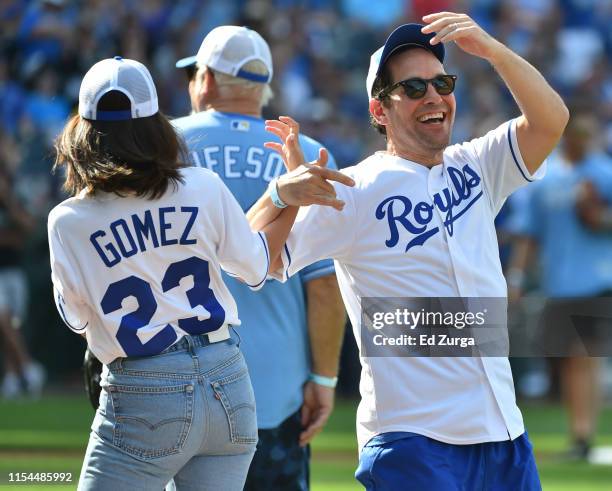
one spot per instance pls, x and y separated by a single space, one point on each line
236 395
151 422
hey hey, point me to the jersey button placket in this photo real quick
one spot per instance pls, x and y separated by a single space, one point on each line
461 266
436 183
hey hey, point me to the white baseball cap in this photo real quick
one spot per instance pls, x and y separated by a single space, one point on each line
129 77
228 48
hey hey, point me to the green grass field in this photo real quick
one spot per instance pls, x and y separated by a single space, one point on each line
50 436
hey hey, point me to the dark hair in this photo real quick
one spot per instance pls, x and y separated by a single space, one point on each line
138 156
380 82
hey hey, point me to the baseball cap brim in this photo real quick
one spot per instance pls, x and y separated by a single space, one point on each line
185 62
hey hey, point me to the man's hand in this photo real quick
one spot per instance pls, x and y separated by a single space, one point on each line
318 405
544 115
468 35
283 128
305 183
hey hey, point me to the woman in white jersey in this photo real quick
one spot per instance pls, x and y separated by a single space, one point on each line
136 254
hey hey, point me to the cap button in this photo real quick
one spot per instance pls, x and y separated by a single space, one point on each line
118 58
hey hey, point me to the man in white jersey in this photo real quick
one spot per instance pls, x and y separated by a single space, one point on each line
419 223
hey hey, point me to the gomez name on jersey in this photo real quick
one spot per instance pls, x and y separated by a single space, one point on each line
127 236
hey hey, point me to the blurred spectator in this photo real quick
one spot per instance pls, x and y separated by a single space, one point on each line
21 372
12 98
569 216
45 107
46 27
377 18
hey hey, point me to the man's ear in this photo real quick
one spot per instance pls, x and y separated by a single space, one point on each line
202 89
209 84
377 111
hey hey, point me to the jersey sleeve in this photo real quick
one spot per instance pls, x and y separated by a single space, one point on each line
319 232
501 164
66 284
319 269
242 253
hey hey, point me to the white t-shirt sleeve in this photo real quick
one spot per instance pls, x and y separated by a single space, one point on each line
66 283
242 253
320 232
501 164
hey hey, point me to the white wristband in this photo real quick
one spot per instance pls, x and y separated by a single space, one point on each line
330 382
276 199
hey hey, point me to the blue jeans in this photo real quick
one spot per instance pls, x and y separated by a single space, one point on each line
187 414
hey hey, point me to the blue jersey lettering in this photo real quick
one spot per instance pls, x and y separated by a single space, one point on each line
108 246
145 229
399 210
139 232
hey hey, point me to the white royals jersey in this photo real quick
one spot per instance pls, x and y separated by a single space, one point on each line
135 275
410 231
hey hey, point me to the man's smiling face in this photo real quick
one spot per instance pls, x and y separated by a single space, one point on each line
418 126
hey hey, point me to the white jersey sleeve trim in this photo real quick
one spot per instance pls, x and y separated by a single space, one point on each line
518 158
258 285
60 303
282 273
265 275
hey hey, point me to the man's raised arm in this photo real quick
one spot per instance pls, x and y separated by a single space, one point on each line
544 115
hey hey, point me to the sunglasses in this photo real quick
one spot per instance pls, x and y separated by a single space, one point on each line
415 88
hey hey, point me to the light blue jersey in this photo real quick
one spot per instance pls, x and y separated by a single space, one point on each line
575 260
275 338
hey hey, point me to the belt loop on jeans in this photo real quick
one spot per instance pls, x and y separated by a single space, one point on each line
233 329
191 345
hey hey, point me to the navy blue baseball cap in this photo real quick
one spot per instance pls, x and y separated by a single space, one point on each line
405 35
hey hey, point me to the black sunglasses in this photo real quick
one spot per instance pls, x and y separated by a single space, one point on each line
415 88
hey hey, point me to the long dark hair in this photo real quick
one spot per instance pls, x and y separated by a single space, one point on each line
136 156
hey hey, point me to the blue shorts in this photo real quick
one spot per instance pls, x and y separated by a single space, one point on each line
407 461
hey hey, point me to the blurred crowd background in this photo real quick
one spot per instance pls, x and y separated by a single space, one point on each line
321 51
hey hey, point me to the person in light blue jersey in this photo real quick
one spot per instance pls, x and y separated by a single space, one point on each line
292 332
568 216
